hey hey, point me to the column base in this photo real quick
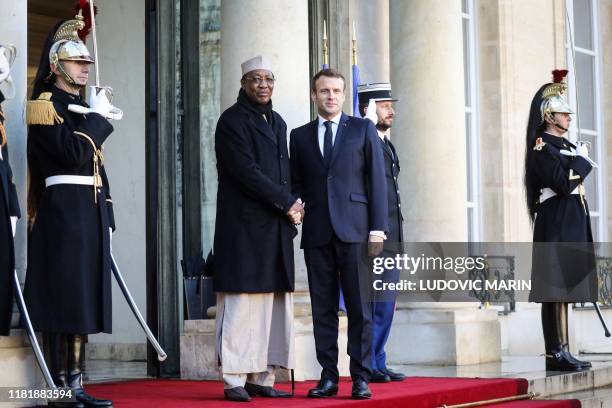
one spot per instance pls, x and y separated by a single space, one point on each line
444 337
18 366
199 361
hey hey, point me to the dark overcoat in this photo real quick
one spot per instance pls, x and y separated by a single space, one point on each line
9 207
563 265
68 281
253 242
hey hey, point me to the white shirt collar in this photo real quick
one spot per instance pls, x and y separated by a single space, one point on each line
383 134
335 119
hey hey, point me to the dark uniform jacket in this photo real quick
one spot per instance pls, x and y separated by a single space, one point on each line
562 272
348 198
9 207
253 242
68 288
396 219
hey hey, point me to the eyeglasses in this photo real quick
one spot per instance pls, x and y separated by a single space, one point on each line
259 81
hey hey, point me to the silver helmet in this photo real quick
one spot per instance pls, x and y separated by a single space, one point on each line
69 47
553 96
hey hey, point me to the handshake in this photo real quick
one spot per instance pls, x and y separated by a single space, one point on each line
296 212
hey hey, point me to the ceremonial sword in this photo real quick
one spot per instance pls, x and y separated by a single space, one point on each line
25 318
161 354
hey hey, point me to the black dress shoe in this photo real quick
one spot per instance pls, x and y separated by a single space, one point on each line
360 390
255 390
90 401
562 361
238 394
379 376
394 376
325 388
583 364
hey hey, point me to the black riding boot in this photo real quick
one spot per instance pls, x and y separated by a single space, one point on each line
564 330
76 360
553 326
56 352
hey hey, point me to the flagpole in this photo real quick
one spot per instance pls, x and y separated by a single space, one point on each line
355 75
325 50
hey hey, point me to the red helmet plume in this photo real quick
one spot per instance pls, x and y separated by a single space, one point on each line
559 75
83 6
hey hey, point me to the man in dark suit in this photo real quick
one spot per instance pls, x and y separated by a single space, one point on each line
337 169
376 104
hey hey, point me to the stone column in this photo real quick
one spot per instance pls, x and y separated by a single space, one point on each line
17 363
372 26
429 133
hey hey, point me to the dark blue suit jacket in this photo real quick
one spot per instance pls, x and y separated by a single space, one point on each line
350 197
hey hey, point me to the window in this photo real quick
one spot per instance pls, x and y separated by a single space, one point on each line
584 83
471 120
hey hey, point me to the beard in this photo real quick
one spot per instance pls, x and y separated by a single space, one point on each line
383 126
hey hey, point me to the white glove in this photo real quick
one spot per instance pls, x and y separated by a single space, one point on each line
14 225
99 103
371 112
583 151
5 69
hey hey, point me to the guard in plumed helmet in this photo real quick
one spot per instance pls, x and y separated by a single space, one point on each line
555 171
376 104
70 212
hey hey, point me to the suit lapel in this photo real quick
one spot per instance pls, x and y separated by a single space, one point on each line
314 140
342 128
395 158
386 149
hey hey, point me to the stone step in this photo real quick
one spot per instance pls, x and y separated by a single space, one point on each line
551 385
597 398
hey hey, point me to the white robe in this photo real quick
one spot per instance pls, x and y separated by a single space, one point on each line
254 331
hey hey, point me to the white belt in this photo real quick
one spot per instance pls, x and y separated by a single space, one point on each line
548 192
82 180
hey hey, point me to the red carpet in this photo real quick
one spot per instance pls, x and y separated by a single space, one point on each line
415 392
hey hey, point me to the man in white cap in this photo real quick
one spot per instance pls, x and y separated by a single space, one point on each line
253 245
376 104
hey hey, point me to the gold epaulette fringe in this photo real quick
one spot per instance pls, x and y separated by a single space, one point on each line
2 130
42 112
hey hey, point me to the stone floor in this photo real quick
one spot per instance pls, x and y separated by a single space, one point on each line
531 367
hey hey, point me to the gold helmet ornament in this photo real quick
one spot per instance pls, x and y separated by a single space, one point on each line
69 47
553 96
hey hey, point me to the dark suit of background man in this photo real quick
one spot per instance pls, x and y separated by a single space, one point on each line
337 169
376 104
